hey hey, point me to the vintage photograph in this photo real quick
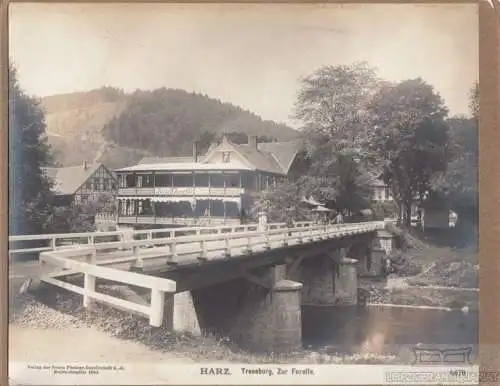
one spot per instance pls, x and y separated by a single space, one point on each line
207 193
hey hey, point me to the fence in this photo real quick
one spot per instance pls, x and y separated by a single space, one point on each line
200 247
55 241
105 221
65 260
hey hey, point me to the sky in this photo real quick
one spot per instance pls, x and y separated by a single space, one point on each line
250 55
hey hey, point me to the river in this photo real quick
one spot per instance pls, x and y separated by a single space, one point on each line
383 330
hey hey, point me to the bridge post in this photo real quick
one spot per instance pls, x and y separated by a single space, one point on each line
138 263
157 308
180 313
262 221
88 286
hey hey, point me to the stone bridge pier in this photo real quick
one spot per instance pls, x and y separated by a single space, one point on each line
329 279
372 255
260 308
260 311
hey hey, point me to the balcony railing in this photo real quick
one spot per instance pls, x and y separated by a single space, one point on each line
181 191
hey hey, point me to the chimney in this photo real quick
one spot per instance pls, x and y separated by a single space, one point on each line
195 151
252 141
85 165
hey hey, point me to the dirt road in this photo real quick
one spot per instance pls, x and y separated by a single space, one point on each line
27 344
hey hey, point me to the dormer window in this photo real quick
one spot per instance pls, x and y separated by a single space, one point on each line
226 157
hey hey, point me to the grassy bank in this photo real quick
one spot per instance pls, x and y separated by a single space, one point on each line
60 309
420 264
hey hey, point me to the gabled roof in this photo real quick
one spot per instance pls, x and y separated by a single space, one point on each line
283 152
378 182
165 160
68 180
272 157
260 160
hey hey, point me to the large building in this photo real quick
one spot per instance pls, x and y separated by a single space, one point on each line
381 192
218 187
76 184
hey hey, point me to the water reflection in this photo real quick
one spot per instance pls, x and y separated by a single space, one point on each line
381 330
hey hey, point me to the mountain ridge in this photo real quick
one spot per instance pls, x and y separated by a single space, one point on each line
117 128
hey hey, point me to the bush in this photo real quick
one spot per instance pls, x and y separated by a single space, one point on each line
383 210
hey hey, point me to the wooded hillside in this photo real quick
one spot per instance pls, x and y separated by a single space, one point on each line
117 128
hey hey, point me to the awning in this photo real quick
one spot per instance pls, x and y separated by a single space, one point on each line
322 209
236 200
310 201
133 198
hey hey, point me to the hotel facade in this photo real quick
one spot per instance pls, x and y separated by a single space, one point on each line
216 188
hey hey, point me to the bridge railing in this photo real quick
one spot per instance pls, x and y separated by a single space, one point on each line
64 259
213 245
55 241
200 248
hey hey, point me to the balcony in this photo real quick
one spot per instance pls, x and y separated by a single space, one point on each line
180 191
187 221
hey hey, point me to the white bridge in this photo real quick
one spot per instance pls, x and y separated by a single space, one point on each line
112 255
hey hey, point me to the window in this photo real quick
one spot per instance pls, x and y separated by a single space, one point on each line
201 180
163 180
130 181
226 157
88 185
106 184
216 180
266 183
388 195
122 207
130 208
232 180
183 180
148 181
250 181
100 184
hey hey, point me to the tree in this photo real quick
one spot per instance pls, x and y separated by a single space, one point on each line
80 217
340 179
409 139
459 183
339 183
332 105
30 197
166 121
283 203
474 101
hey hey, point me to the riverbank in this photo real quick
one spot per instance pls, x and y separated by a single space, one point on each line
32 318
423 266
